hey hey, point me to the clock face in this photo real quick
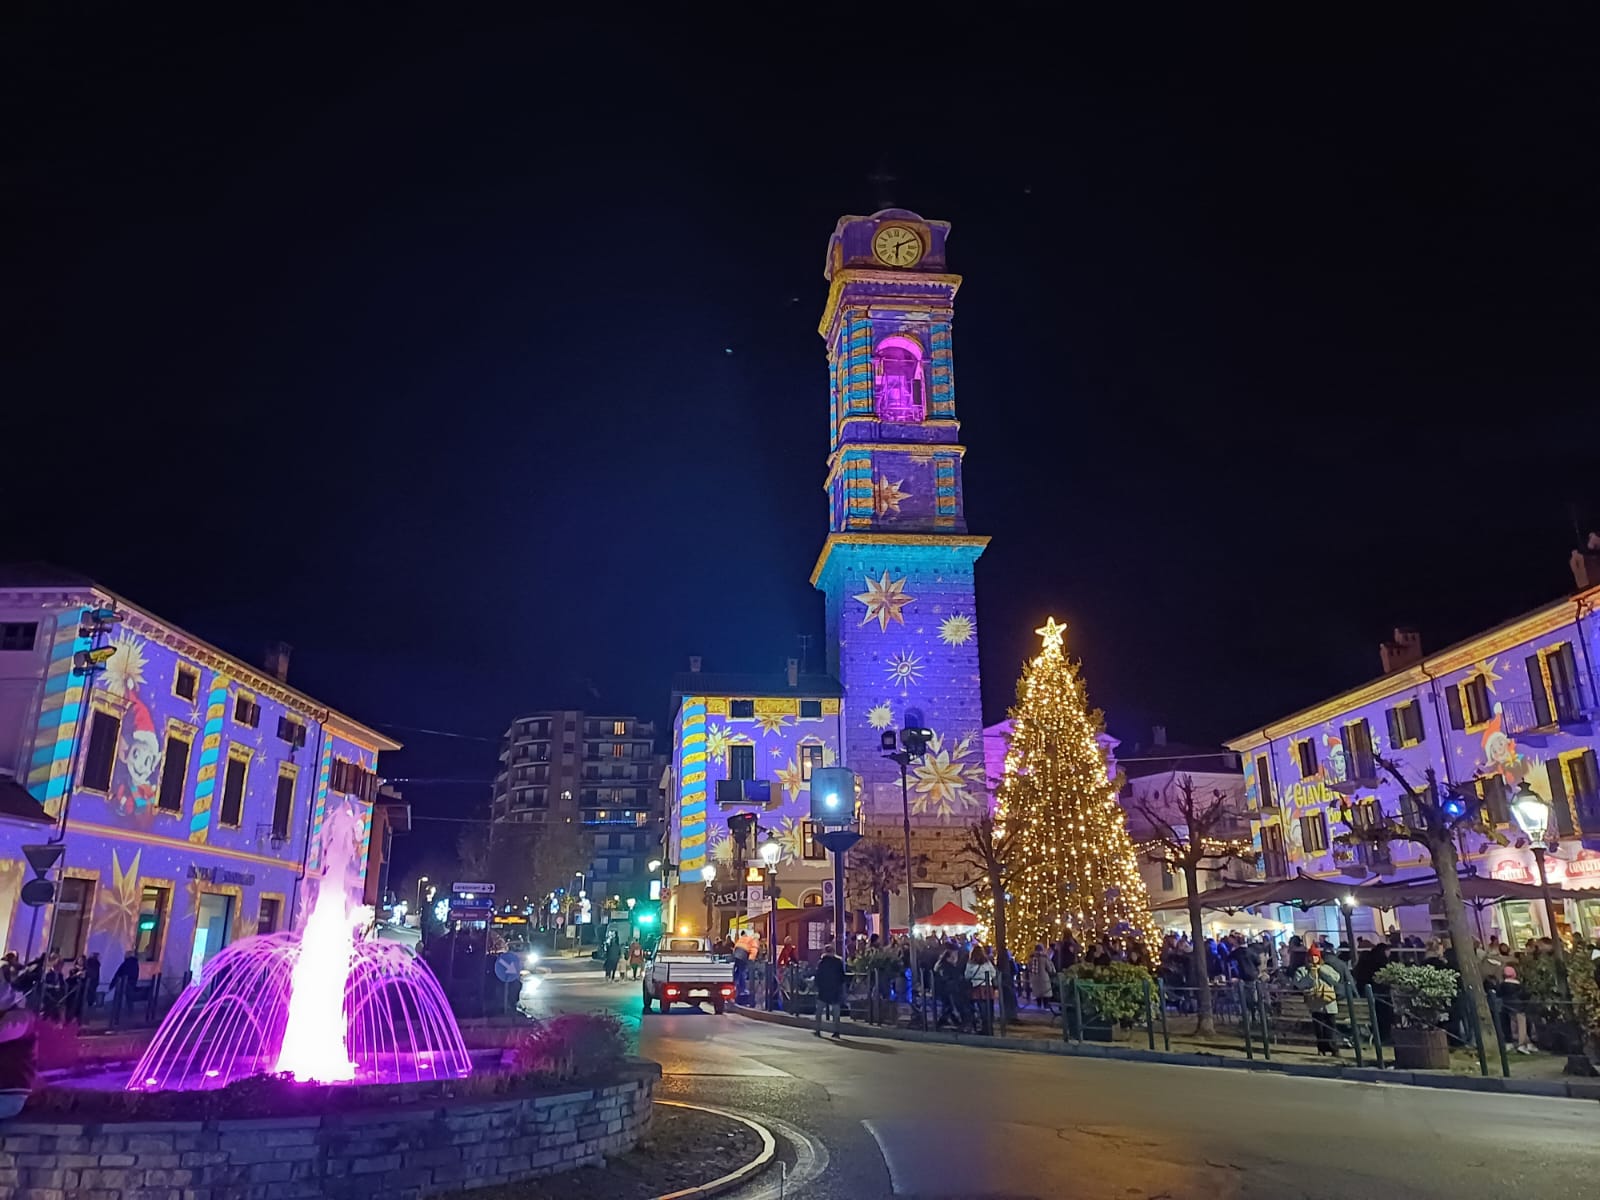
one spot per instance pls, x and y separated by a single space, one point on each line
897 245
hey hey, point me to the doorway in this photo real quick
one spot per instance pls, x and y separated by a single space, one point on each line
74 905
212 923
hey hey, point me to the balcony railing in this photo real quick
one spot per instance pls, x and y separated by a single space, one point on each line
1570 709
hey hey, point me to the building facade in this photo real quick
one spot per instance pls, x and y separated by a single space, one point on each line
599 770
189 789
772 731
1514 705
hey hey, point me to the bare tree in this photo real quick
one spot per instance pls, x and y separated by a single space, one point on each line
873 872
1187 834
985 849
1433 819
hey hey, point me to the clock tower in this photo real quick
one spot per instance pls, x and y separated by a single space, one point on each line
897 567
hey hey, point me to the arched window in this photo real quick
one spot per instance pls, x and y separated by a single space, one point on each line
898 381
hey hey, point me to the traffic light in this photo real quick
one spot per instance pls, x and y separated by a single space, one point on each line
739 826
833 795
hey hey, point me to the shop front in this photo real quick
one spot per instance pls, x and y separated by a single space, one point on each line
1574 876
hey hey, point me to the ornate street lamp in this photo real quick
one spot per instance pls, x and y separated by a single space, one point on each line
771 852
1533 817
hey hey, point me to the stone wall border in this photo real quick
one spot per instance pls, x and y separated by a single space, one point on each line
405 1152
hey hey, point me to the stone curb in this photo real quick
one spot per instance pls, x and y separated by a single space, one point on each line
769 1148
1566 1089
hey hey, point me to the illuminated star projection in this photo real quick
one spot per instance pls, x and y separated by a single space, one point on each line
945 782
771 722
118 915
717 744
886 496
880 716
905 668
790 779
955 630
1490 676
884 600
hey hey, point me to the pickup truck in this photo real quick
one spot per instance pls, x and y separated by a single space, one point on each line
684 970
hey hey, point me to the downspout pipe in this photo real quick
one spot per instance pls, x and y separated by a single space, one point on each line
311 809
1584 607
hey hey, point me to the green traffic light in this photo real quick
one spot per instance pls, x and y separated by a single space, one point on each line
647 918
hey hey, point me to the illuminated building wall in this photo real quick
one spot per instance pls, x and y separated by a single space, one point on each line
172 822
1515 704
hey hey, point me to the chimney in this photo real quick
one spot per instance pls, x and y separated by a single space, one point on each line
276 660
1158 735
1586 564
694 663
794 672
1403 650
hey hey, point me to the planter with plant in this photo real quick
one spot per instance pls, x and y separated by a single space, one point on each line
1422 997
1115 994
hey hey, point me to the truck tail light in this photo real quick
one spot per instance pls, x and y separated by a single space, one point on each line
669 991
727 991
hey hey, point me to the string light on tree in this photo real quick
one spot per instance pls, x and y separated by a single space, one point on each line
1072 863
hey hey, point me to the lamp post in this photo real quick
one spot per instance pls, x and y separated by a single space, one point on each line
1533 817
709 875
770 853
421 883
913 742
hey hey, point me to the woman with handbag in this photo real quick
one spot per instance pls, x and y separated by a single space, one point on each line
982 980
1319 983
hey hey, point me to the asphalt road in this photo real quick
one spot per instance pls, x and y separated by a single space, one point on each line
947 1122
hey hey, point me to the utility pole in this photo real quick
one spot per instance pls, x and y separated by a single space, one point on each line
913 745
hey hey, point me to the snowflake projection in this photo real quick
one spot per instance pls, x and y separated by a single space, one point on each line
790 779
124 669
777 752
717 745
722 849
117 914
772 722
905 668
947 780
884 599
880 716
955 630
886 496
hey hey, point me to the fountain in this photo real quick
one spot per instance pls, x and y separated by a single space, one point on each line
325 1005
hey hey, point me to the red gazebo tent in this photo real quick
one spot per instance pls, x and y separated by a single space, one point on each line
951 916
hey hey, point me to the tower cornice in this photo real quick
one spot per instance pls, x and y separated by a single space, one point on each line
901 281
951 541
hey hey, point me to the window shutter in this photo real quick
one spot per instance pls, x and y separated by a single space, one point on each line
1541 698
1263 782
1560 810
1420 728
1564 681
1452 702
1397 734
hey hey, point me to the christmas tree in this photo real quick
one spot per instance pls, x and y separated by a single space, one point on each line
1070 862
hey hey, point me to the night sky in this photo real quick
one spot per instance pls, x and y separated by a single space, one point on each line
431 348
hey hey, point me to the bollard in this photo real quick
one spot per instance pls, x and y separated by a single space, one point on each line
1149 1017
1244 1021
1377 1030
1161 993
1355 1026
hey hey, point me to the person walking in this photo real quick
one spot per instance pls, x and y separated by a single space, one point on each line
981 981
91 979
830 990
613 955
635 957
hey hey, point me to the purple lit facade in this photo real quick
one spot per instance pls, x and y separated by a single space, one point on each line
1515 704
198 793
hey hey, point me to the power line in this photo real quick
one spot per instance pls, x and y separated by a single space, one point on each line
444 733
430 779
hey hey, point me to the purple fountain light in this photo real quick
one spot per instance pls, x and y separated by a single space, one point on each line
325 1005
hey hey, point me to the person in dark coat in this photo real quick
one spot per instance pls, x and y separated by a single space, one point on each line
830 990
91 978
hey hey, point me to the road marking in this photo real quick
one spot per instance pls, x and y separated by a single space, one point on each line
896 1175
810 1162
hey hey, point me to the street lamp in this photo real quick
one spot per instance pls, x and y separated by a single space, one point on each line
421 883
1533 817
771 852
